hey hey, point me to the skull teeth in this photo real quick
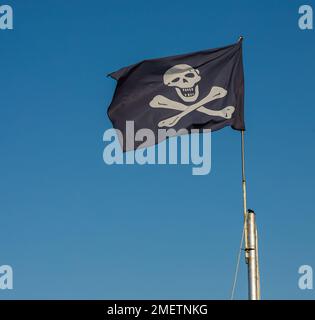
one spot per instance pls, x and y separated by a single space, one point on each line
188 92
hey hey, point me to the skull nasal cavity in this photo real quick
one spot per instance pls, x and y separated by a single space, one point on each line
185 80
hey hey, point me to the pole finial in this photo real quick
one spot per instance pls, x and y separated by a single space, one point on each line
240 39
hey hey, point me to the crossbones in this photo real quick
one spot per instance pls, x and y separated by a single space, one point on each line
160 101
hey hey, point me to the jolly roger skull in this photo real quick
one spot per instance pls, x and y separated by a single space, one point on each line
184 78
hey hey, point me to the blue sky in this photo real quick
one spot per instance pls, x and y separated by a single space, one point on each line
73 227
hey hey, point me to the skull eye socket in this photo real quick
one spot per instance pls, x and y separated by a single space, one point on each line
190 75
175 80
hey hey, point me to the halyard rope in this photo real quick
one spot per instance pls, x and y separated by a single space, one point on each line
237 264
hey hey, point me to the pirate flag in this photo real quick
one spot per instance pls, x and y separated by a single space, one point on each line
201 90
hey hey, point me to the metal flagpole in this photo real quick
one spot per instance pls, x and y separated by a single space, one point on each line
257 266
251 238
244 182
244 188
252 260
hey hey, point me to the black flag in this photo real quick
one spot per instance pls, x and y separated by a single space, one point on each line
200 90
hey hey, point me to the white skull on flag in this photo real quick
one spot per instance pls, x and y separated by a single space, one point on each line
185 80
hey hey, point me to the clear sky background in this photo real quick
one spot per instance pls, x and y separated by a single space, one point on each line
73 227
